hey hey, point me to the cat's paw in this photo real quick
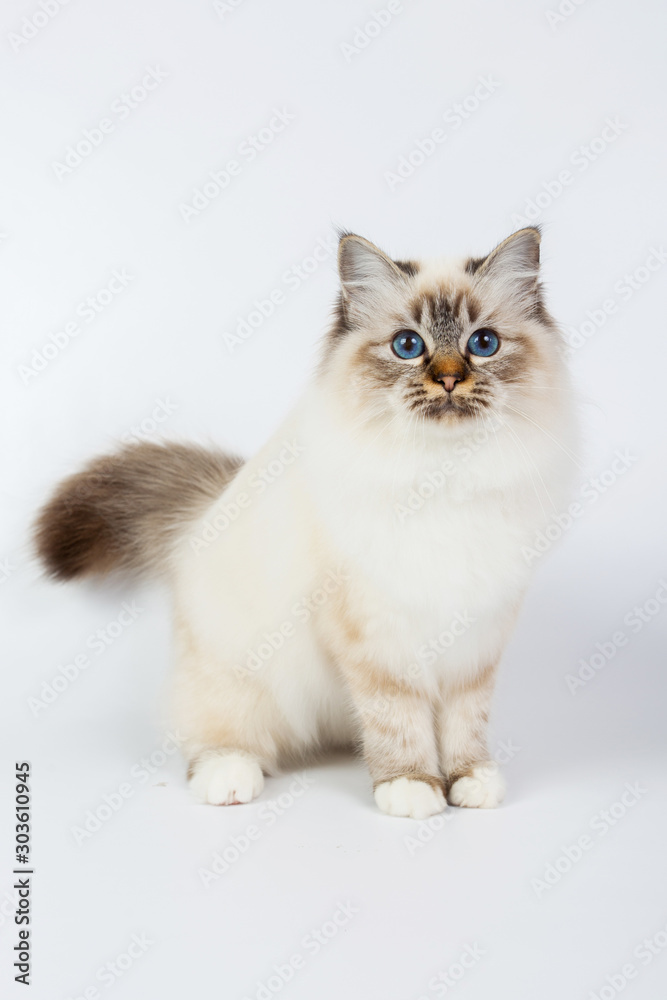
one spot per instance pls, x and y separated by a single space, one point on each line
407 797
226 779
483 788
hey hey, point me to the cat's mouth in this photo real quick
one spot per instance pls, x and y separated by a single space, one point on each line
452 407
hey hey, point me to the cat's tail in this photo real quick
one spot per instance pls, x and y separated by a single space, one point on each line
125 511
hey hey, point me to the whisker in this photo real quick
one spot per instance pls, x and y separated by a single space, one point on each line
570 454
518 440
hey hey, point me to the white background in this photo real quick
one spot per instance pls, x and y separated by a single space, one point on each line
355 114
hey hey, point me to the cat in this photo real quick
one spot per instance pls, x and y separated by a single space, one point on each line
356 581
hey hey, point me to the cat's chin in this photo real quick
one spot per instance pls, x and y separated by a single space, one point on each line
451 411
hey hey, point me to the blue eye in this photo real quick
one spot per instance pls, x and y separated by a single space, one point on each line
483 343
408 345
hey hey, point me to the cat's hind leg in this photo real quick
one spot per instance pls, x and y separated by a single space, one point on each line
232 728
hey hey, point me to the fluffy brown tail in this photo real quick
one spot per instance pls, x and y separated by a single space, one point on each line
124 511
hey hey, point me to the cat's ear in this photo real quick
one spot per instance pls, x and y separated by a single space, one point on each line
514 267
367 275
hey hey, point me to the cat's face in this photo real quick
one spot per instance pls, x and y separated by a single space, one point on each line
447 341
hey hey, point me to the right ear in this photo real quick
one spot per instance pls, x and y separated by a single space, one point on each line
513 268
367 275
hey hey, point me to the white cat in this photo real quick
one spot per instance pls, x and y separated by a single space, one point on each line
357 580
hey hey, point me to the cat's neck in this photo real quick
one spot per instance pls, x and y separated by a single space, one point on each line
391 455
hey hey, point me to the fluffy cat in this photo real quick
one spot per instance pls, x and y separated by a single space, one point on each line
357 580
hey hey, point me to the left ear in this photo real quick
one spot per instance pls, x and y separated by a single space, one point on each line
367 275
514 265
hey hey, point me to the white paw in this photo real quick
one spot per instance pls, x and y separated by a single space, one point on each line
407 797
483 788
227 779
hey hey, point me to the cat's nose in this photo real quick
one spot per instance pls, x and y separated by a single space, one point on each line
449 381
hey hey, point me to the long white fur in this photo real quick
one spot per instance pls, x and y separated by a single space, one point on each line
331 515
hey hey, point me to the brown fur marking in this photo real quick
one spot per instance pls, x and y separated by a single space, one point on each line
429 779
122 511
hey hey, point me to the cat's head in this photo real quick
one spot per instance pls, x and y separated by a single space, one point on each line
444 341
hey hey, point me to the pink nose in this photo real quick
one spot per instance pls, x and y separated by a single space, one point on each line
449 381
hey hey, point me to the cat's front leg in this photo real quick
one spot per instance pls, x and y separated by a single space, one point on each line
399 743
472 778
